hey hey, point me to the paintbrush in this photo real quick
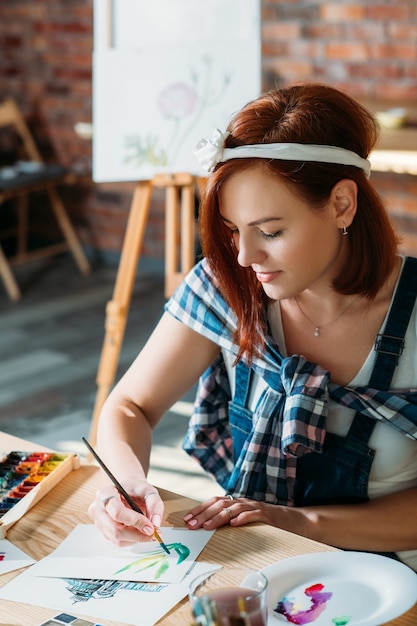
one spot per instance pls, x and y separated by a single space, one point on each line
206 613
123 492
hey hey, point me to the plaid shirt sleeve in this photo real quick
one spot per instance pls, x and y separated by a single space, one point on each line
198 304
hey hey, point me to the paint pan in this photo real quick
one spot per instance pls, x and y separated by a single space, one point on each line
26 477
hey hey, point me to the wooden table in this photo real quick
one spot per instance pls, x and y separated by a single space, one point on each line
49 522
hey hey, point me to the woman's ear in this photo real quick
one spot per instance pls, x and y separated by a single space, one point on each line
345 201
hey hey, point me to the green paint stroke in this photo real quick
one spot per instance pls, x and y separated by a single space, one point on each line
158 558
341 621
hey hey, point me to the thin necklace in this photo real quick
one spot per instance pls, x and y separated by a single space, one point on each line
317 329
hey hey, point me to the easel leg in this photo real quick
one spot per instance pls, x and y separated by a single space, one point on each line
187 229
171 236
179 229
117 308
178 185
9 280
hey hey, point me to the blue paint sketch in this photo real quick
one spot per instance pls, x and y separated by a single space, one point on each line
83 590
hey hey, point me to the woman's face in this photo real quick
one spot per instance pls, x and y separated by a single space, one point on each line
289 246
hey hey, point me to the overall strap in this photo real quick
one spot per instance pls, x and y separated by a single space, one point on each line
389 345
243 378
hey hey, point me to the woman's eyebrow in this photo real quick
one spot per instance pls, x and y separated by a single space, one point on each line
262 220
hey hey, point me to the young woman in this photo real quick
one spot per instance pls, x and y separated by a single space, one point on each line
300 323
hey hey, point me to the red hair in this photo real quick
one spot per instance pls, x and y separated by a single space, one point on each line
311 114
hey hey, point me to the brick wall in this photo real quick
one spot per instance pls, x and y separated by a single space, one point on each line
367 47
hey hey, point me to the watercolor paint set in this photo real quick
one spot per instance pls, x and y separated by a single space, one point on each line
25 477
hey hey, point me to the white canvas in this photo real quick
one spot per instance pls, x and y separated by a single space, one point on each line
129 24
163 84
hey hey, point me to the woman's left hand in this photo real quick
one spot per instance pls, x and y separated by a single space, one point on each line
222 510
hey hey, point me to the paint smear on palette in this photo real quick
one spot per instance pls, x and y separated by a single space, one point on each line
295 614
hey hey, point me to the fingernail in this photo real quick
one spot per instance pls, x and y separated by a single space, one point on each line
156 520
187 517
193 522
148 530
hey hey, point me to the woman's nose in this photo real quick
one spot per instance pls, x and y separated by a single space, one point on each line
248 253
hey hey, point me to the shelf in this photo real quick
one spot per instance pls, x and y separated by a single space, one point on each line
397 161
396 150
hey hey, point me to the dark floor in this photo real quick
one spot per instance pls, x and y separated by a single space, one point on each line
50 346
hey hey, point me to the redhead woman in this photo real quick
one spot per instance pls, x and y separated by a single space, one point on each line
300 325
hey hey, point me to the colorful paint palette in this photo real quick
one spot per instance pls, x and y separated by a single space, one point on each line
339 589
25 477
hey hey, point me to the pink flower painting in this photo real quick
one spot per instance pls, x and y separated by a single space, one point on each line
182 104
177 101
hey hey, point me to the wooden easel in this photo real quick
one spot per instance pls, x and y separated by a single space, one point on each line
179 259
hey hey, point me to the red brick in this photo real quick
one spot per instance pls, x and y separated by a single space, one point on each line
274 49
404 51
352 51
281 30
341 12
397 11
306 49
402 31
292 70
396 91
386 71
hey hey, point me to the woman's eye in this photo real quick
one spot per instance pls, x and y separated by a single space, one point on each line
272 235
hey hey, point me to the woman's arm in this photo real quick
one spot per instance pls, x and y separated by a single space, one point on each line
168 365
384 524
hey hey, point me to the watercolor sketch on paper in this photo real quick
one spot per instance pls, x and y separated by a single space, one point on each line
145 126
115 600
160 85
85 553
182 104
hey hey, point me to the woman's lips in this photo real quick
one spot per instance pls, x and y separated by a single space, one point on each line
266 277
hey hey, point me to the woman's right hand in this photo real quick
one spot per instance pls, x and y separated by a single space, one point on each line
119 523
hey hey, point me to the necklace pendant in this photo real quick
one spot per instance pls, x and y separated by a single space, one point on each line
317 332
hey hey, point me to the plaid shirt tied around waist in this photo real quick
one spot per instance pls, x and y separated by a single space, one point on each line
289 419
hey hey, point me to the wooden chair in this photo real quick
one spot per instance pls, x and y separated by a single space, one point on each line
26 175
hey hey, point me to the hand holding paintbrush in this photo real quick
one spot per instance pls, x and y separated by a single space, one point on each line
122 491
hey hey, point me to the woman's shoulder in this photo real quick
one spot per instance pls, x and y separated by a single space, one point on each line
200 281
199 304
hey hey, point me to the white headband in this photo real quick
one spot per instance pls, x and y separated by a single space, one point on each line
209 152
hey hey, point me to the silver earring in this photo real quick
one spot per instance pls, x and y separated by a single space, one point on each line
345 231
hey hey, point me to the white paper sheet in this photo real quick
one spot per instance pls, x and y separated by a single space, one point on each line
141 604
85 553
12 558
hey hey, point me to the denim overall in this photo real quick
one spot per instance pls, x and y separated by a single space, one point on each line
340 474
